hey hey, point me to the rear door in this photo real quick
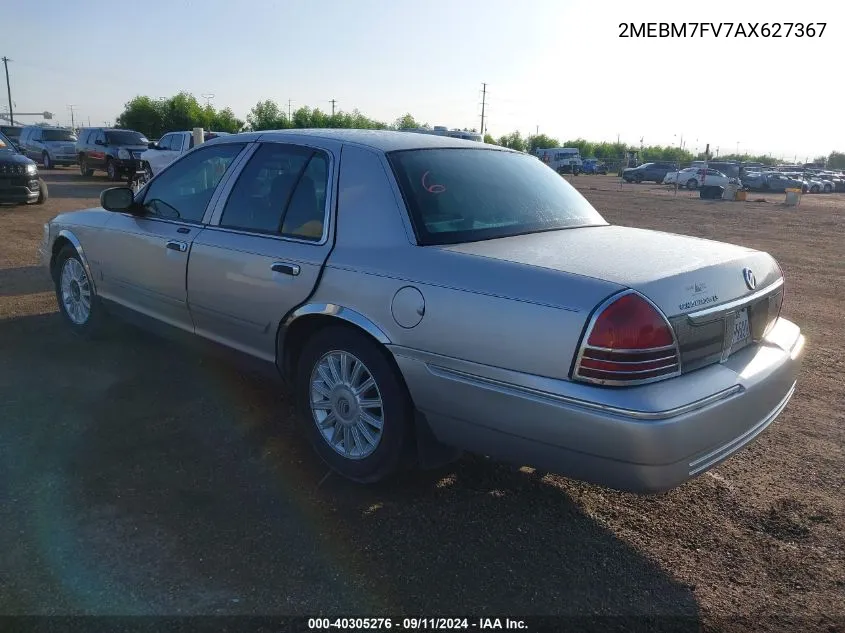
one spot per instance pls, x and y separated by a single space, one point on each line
267 243
145 258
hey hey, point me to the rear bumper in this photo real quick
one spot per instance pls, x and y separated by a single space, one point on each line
642 439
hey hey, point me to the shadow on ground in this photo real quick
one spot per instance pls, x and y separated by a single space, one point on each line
69 183
25 280
140 479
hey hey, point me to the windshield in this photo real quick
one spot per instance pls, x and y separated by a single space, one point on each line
57 135
6 144
13 133
465 195
126 137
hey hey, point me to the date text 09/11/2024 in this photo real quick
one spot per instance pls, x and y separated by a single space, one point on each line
417 624
722 29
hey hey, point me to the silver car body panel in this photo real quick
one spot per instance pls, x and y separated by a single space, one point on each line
484 333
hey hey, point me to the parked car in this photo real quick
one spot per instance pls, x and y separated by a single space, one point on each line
424 293
116 152
655 171
12 133
773 182
692 177
828 183
19 180
51 146
593 166
167 149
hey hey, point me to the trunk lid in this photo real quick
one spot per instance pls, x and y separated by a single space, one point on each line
680 274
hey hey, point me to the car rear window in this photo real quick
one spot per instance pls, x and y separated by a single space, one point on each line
464 195
126 137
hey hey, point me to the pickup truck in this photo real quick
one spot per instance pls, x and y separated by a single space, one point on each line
167 149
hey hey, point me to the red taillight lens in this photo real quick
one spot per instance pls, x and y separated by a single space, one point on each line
629 342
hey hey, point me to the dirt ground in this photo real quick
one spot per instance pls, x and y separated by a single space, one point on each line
140 478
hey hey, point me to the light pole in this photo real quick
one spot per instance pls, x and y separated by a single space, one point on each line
70 107
208 97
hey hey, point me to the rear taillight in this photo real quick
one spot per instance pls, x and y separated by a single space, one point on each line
628 342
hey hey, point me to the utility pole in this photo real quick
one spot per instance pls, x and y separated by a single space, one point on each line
72 121
208 97
333 102
6 61
289 100
483 104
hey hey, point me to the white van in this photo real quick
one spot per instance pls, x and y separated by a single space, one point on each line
562 159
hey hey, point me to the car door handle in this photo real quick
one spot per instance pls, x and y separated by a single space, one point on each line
286 269
176 245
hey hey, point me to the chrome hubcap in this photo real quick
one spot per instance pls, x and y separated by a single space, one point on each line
346 404
76 291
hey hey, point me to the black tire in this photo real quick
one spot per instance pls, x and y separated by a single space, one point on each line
43 194
92 326
83 166
392 448
46 161
827 188
111 170
692 184
638 178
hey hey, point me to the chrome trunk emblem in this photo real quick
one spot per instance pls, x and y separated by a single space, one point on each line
750 279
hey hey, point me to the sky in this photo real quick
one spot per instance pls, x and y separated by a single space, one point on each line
554 66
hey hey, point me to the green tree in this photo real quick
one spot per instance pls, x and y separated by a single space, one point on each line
489 139
513 140
836 160
408 122
266 115
144 114
225 121
541 141
820 159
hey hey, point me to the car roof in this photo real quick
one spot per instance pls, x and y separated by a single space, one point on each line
384 140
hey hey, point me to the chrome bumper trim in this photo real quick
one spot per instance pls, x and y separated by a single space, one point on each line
526 392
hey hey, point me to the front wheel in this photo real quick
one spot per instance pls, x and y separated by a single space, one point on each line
43 194
692 183
827 188
47 161
75 293
353 404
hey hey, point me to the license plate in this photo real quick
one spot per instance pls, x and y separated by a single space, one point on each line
742 329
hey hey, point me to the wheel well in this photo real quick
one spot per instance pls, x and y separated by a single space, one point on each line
297 334
58 245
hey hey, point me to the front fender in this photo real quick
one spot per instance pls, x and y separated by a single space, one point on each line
68 234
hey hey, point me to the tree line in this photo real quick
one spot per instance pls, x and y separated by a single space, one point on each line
155 117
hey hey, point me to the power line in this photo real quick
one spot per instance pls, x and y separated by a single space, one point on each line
6 61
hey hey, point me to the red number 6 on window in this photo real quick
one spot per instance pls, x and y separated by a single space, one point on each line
435 188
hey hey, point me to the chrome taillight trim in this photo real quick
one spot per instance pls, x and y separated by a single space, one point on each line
583 348
632 371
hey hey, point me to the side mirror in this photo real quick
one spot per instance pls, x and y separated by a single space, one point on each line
118 199
152 145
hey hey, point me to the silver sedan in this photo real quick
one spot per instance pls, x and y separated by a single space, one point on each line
424 295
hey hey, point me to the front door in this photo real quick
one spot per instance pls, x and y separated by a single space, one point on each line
146 256
264 255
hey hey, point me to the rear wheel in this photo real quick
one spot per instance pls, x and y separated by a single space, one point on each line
827 188
638 178
692 183
814 189
353 404
46 161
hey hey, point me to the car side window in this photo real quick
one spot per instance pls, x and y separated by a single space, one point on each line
164 141
99 136
306 213
265 187
183 190
176 142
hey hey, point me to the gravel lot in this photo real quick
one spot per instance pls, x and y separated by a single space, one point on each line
137 477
